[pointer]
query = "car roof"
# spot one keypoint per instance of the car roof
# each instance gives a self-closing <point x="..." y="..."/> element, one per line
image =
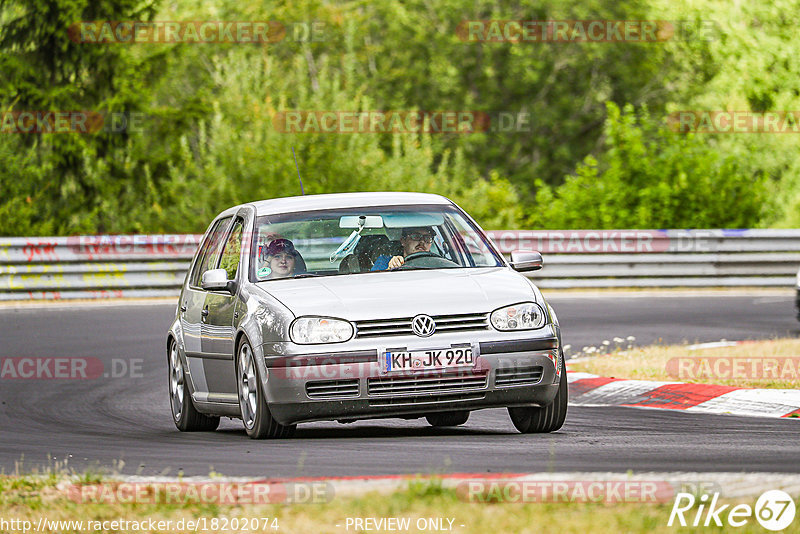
<point x="344" y="200"/>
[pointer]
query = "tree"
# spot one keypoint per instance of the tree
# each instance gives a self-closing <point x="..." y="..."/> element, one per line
<point x="45" y="71"/>
<point x="649" y="176"/>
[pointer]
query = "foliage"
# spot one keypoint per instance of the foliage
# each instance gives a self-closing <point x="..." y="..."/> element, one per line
<point x="209" y="141"/>
<point x="653" y="177"/>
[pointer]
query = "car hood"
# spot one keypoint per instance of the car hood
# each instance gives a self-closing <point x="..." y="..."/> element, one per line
<point x="358" y="297"/>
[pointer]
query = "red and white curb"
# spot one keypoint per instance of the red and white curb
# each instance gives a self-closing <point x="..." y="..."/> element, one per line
<point x="591" y="390"/>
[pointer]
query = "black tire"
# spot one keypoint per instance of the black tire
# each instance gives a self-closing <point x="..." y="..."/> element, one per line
<point x="550" y="418"/>
<point x="256" y="417"/>
<point x="448" y="418"/>
<point x="184" y="414"/>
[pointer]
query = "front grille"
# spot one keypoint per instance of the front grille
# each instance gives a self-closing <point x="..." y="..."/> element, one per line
<point x="426" y="399"/>
<point x="402" y="327"/>
<point x="330" y="389"/>
<point x="518" y="376"/>
<point x="414" y="385"/>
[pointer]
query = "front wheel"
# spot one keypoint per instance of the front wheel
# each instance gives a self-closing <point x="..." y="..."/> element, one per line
<point x="548" y="418"/>
<point x="257" y="419"/>
<point x="184" y="414"/>
<point x="448" y="418"/>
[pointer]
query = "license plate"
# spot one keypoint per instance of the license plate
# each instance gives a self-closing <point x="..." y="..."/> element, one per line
<point x="421" y="360"/>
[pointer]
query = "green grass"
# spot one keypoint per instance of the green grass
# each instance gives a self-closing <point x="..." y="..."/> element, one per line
<point x="31" y="497"/>
<point x="678" y="363"/>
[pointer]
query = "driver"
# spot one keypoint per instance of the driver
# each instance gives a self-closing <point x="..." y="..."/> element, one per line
<point x="414" y="240"/>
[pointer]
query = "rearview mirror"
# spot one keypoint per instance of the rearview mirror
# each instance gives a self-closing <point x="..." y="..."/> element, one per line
<point x="526" y="260"/>
<point x="360" y="221"/>
<point x="215" y="280"/>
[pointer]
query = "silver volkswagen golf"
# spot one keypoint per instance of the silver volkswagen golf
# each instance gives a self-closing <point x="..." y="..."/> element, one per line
<point x="355" y="306"/>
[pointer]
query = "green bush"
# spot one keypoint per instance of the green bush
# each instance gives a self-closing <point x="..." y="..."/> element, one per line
<point x="649" y="176"/>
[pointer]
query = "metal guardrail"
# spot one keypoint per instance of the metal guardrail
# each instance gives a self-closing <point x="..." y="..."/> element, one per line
<point x="659" y="258"/>
<point x="155" y="265"/>
<point x="91" y="267"/>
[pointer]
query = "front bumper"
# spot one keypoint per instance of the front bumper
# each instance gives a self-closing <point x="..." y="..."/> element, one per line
<point x="348" y="385"/>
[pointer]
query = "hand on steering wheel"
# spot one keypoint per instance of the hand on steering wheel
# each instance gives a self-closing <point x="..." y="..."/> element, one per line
<point x="396" y="262"/>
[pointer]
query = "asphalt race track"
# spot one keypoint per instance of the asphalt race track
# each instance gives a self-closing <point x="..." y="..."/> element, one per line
<point x="124" y="422"/>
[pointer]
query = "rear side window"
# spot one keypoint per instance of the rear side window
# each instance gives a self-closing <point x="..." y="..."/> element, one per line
<point x="212" y="247"/>
<point x="232" y="251"/>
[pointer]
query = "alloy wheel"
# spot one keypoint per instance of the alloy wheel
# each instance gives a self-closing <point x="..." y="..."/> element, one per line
<point x="248" y="392"/>
<point x="176" y="382"/>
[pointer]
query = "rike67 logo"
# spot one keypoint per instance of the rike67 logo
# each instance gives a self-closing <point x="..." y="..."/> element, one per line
<point x="774" y="510"/>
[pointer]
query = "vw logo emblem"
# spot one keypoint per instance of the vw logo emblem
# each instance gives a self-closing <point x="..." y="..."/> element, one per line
<point x="423" y="325"/>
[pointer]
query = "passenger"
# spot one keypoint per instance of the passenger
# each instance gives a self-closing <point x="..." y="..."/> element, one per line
<point x="280" y="258"/>
<point x="414" y="240"/>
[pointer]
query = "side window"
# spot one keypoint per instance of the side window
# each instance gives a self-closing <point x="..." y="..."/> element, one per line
<point x="232" y="251"/>
<point x="210" y="253"/>
<point x="476" y="252"/>
<point x="440" y="244"/>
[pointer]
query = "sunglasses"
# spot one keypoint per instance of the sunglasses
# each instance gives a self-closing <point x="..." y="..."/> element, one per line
<point x="428" y="238"/>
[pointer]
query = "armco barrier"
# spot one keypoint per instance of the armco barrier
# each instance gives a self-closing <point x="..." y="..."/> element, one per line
<point x="155" y="265"/>
<point x="55" y="268"/>
<point x="659" y="258"/>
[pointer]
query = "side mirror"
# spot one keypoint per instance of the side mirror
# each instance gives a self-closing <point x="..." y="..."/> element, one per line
<point x="216" y="280"/>
<point x="525" y="260"/>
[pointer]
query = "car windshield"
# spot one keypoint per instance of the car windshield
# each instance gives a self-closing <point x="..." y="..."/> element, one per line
<point x="367" y="239"/>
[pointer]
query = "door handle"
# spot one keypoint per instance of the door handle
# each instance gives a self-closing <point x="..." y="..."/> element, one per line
<point x="183" y="308"/>
<point x="204" y="313"/>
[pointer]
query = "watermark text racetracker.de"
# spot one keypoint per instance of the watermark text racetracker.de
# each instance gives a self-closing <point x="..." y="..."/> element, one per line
<point x="734" y="122"/>
<point x="201" y="492"/>
<point x="403" y="121"/>
<point x="585" y="31"/>
<point x="376" y="121"/>
<point x="71" y="121"/>
<point x="69" y="368"/>
<point x="91" y="246"/>
<point x="603" y="241"/>
<point x="735" y="368"/>
<point x="194" y="31"/>
<point x="610" y="491"/>
<point x="330" y="366"/>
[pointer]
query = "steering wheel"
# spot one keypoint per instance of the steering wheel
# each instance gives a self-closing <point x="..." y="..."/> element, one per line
<point x="423" y="254"/>
<point x="427" y="260"/>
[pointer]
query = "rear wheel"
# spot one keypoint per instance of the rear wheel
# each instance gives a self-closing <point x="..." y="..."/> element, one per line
<point x="448" y="418"/>
<point x="184" y="414"/>
<point x="548" y="418"/>
<point x="257" y="419"/>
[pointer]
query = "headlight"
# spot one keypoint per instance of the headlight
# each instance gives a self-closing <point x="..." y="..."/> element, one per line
<point x="523" y="316"/>
<point x="311" y="330"/>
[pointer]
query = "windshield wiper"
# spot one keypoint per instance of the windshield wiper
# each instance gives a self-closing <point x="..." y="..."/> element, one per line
<point x="306" y="275"/>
